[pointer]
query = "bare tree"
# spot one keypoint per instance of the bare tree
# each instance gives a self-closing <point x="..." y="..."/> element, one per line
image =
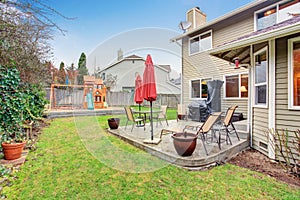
<point x="25" y="30"/>
<point x="111" y="81"/>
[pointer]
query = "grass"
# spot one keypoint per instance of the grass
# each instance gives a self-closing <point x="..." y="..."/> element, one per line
<point x="76" y="159"/>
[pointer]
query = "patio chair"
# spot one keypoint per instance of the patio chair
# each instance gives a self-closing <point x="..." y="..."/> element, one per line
<point x="130" y="117"/>
<point x="181" y="112"/>
<point x="227" y="122"/>
<point x="162" y="115"/>
<point x="206" y="127"/>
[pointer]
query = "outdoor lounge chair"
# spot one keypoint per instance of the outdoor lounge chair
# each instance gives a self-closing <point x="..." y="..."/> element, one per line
<point x="162" y="115"/>
<point x="130" y="117"/>
<point x="227" y="122"/>
<point x="206" y="127"/>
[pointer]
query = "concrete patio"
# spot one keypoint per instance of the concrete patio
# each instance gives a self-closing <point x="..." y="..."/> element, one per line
<point x="166" y="151"/>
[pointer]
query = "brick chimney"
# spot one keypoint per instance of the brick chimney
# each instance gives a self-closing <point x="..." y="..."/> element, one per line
<point x="196" y="17"/>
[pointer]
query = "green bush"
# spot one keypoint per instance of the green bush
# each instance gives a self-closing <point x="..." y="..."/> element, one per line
<point x="18" y="103"/>
<point x="11" y="104"/>
<point x="35" y="101"/>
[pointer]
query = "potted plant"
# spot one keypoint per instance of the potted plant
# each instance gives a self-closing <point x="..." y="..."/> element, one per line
<point x="12" y="104"/>
<point x="113" y="123"/>
<point x="184" y="143"/>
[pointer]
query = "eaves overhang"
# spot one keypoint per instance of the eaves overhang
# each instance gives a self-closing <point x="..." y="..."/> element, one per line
<point x="278" y="33"/>
<point x="229" y="51"/>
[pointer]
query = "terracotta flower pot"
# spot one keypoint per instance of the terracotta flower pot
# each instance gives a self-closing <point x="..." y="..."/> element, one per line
<point x="113" y="123"/>
<point x="184" y="143"/>
<point x="12" y="151"/>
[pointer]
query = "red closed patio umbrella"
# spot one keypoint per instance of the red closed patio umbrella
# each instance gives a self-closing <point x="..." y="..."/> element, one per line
<point x="149" y="86"/>
<point x="138" y="92"/>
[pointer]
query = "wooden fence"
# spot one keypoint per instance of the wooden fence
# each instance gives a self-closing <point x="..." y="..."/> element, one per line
<point x="124" y="98"/>
<point x="127" y="98"/>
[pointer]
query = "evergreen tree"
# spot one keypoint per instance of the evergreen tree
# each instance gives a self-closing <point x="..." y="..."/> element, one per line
<point x="61" y="73"/>
<point x="72" y="74"/>
<point x="82" y="69"/>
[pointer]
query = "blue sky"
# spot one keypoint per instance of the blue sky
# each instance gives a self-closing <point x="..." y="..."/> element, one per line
<point x="97" y="20"/>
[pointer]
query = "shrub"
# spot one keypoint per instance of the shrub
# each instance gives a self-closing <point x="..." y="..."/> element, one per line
<point x="35" y="101"/>
<point x="287" y="148"/>
<point x="11" y="105"/>
<point x="18" y="103"/>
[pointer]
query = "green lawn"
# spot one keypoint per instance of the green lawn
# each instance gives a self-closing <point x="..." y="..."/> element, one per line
<point x="76" y="159"/>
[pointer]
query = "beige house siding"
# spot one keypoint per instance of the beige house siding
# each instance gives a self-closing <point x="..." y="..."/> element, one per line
<point x="233" y="31"/>
<point x="260" y="129"/>
<point x="202" y="65"/>
<point x="285" y="118"/>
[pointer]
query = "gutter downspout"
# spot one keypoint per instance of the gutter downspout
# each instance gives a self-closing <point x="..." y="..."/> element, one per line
<point x="272" y="95"/>
<point x="250" y="98"/>
<point x="181" y="75"/>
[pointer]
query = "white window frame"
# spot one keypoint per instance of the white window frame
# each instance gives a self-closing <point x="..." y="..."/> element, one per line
<point x="260" y="84"/>
<point x="239" y="87"/>
<point x="190" y="88"/>
<point x="204" y="33"/>
<point x="290" y="74"/>
<point x="267" y="8"/>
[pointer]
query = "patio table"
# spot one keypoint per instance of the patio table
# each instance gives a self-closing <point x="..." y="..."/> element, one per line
<point x="145" y="112"/>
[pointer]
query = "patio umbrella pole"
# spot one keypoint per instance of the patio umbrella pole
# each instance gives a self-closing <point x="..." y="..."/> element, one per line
<point x="140" y="111"/>
<point x="151" y="120"/>
<point x="149" y="94"/>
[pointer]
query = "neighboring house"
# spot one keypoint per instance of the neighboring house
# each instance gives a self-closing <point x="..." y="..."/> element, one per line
<point x="177" y="81"/>
<point x="126" y="68"/>
<point x="263" y="37"/>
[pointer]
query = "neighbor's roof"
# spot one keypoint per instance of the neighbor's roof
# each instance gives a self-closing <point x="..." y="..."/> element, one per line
<point x="168" y="88"/>
<point x="133" y="57"/>
<point x="166" y="67"/>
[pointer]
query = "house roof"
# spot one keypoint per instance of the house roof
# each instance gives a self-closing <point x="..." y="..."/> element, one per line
<point x="135" y="57"/>
<point x="168" y="88"/>
<point x="166" y="67"/>
<point x="131" y="57"/>
<point x="222" y="18"/>
<point x="240" y="47"/>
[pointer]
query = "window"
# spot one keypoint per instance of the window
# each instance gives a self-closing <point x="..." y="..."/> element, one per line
<point x="260" y="78"/>
<point x="244" y="86"/>
<point x="294" y="73"/>
<point x="266" y="18"/>
<point x="232" y="86"/>
<point x="103" y="76"/>
<point x="195" y="89"/>
<point x="201" y="43"/>
<point x="236" y="86"/>
<point x="277" y="13"/>
<point x="199" y="88"/>
<point x="287" y="9"/>
<point x="204" y="87"/>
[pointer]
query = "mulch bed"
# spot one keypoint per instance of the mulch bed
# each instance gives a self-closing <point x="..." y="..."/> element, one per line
<point x="256" y="161"/>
